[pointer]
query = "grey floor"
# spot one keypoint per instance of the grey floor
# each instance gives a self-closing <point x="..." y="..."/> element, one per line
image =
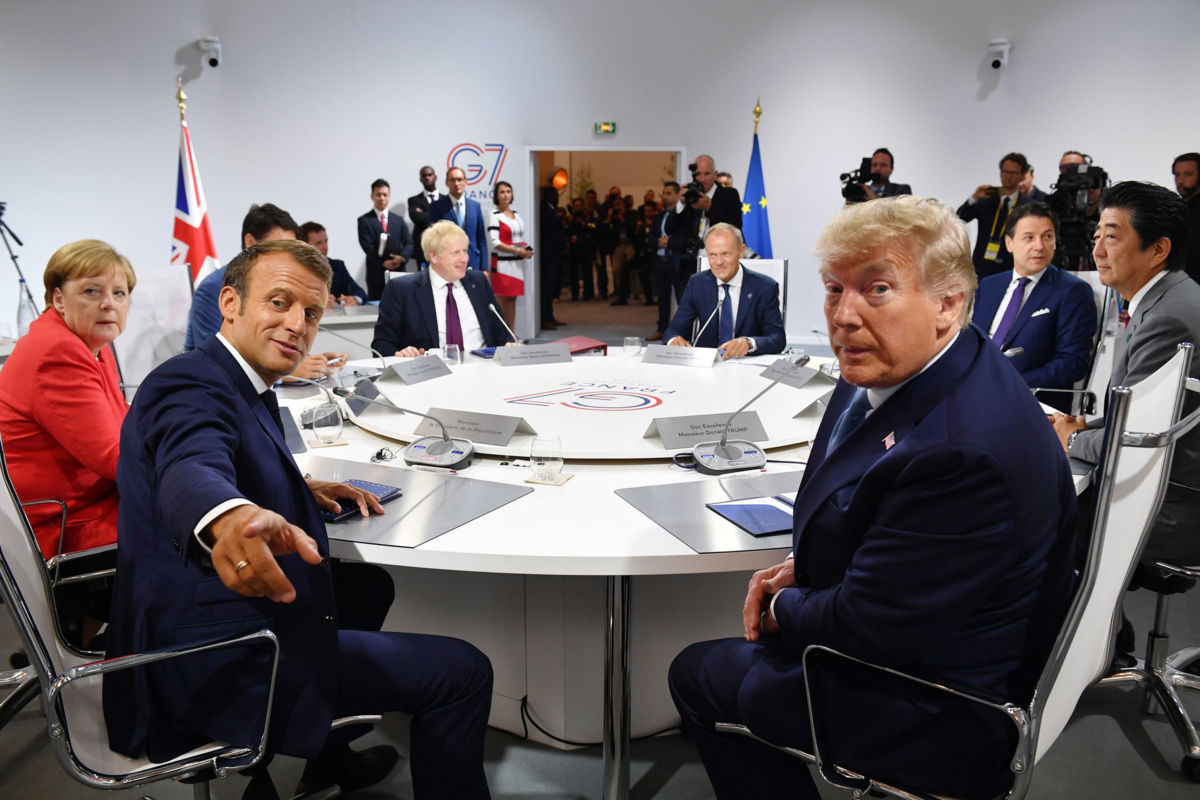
<point x="1109" y="750"/>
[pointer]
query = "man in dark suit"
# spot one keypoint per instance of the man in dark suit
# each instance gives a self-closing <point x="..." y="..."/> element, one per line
<point x="1047" y="314"/>
<point x="343" y="290"/>
<point x="550" y="248"/>
<point x="882" y="164"/>
<point x="220" y="534"/>
<point x="418" y="210"/>
<point x="419" y="312"/>
<point x="466" y="214"/>
<point x="737" y="308"/>
<point x="384" y="239"/>
<point x="664" y="242"/>
<point x="1141" y="252"/>
<point x="923" y="540"/>
<point x="992" y="206"/>
<point x="1186" y="169"/>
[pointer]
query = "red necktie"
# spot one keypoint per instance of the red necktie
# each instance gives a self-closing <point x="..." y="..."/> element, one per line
<point x="383" y="219"/>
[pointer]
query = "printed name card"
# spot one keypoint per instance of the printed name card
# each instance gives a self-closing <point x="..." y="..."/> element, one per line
<point x="479" y="428"/>
<point x="521" y="355"/>
<point x="798" y="377"/>
<point x="681" y="432"/>
<point x="680" y="356"/>
<point x="412" y="371"/>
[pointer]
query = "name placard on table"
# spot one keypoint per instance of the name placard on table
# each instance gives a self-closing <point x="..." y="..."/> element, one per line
<point x="478" y="427"/>
<point x="680" y="356"/>
<point x="412" y="371"/>
<point x="521" y="355"/>
<point x="797" y="377"/>
<point x="680" y="432"/>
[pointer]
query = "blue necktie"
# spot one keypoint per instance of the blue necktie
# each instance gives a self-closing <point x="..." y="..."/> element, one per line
<point x="458" y="213"/>
<point x="725" y="323"/>
<point x="1010" y="313"/>
<point x="850" y="419"/>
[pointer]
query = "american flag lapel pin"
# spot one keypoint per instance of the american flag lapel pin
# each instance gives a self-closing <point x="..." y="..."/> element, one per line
<point x="889" y="441"/>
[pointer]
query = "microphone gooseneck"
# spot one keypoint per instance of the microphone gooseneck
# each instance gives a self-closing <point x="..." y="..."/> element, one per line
<point x="500" y="317"/>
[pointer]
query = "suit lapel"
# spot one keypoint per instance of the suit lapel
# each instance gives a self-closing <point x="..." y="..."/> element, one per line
<point x="1121" y="355"/>
<point x="474" y="289"/>
<point x="888" y="426"/>
<point x="745" y="299"/>
<point x="1042" y="288"/>
<point x="237" y="378"/>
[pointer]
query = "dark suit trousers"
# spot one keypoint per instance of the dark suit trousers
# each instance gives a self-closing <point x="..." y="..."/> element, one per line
<point x="551" y="279"/>
<point x="706" y="682"/>
<point x="666" y="278"/>
<point x="444" y="683"/>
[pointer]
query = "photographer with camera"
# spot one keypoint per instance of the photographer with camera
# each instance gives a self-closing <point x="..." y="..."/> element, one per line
<point x="1076" y="200"/>
<point x="992" y="206"/>
<point x="873" y="179"/>
<point x="703" y="204"/>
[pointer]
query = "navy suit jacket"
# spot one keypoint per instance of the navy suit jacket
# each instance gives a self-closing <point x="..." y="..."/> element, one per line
<point x="937" y="542"/>
<point x="196" y="436"/>
<point x="474" y="225"/>
<point x="399" y="243"/>
<point x="1056" y="326"/>
<point x="343" y="284"/>
<point x="407" y="316"/>
<point x="757" y="316"/>
<point x="984" y="210"/>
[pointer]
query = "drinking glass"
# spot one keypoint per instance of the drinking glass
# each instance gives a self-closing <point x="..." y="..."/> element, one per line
<point x="633" y="345"/>
<point x="327" y="423"/>
<point x="454" y="355"/>
<point x="545" y="456"/>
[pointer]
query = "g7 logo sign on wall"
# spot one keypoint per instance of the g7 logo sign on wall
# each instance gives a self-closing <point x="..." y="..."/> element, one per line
<point x="481" y="165"/>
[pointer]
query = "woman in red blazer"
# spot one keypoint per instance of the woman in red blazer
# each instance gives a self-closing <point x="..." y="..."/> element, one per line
<point x="61" y="405"/>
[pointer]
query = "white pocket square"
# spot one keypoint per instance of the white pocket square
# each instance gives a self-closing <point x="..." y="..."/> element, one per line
<point x="1041" y="311"/>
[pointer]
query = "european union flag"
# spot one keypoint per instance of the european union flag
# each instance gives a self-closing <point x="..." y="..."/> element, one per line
<point x="756" y="226"/>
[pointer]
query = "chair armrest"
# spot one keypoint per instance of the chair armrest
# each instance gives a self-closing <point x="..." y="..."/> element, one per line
<point x="824" y="665"/>
<point x="83" y="565"/>
<point x="225" y="758"/>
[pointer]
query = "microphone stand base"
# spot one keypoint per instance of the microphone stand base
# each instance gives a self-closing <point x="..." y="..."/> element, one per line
<point x="431" y="451"/>
<point x="709" y="461"/>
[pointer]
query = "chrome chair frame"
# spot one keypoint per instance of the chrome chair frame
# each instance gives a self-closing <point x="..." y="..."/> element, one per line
<point x="1057" y="690"/>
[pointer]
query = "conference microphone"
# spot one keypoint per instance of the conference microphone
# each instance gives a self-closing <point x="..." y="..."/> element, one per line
<point x="345" y="338"/>
<point x="719" y="458"/>
<point x="500" y="317"/>
<point x="429" y="451"/>
<point x="696" y="338"/>
<point x="821" y="335"/>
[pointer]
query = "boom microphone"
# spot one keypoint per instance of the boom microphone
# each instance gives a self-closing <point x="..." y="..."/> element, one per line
<point x="696" y="338"/>
<point x="719" y="458"/>
<point x="516" y="338"/>
<point x="345" y="338"/>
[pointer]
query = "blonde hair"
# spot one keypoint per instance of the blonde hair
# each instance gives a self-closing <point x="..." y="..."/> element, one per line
<point x="435" y="237"/>
<point x="86" y="258"/>
<point x="930" y="231"/>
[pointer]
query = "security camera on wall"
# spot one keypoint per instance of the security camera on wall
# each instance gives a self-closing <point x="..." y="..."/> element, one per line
<point x="210" y="46"/>
<point x="998" y="50"/>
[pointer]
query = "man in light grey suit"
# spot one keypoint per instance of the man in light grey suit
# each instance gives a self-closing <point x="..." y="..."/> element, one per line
<point x="1141" y="251"/>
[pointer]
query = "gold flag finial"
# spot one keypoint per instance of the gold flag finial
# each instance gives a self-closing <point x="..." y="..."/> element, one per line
<point x="757" y="114"/>
<point x="182" y="98"/>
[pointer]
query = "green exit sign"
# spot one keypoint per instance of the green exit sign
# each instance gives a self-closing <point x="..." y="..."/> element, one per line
<point x="606" y="127"/>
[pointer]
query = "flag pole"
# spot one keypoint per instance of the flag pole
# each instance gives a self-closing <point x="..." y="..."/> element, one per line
<point x="757" y="109"/>
<point x="182" y="98"/>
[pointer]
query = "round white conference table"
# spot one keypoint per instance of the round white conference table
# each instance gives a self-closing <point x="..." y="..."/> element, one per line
<point x="602" y="407"/>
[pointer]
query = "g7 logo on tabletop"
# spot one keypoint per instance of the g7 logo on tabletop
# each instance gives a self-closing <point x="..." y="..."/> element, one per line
<point x="590" y="399"/>
<point x="465" y="156"/>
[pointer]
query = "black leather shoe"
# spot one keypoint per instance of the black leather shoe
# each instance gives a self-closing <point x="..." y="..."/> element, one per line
<point x="654" y="337"/>
<point x="364" y="768"/>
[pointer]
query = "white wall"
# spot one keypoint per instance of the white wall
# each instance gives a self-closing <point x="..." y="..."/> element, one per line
<point x="316" y="99"/>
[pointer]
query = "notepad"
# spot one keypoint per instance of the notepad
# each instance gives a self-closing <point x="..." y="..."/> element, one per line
<point x="757" y="516"/>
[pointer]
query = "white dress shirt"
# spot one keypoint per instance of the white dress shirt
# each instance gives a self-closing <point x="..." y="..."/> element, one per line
<point x="1012" y="287"/>
<point x="471" y="331"/>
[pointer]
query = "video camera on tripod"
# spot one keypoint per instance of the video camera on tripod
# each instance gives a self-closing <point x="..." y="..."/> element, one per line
<point x="1077" y="185"/>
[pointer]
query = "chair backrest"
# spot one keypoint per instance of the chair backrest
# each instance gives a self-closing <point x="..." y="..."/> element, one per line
<point x="1129" y="485"/>
<point x="774" y="268"/>
<point x="1105" y="346"/>
<point x="25" y="587"/>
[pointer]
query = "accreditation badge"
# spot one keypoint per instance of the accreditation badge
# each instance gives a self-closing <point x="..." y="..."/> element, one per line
<point x="992" y="253"/>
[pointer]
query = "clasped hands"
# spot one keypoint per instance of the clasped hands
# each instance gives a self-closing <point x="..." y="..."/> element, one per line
<point x="734" y="348"/>
<point x="313" y="367"/>
<point x="254" y="536"/>
<point x="756" y="613"/>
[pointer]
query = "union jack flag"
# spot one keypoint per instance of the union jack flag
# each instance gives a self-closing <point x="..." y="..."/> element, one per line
<point x="193" y="239"/>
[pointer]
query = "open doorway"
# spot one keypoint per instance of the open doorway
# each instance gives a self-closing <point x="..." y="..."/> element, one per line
<point x="605" y="287"/>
